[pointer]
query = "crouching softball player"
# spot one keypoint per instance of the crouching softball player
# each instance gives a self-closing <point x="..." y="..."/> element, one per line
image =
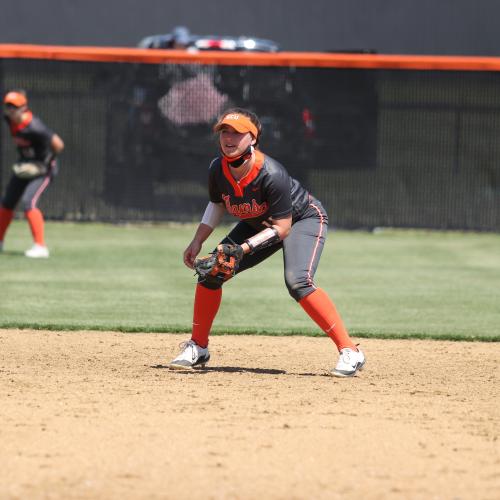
<point x="275" y="212"/>
<point x="37" y="147"/>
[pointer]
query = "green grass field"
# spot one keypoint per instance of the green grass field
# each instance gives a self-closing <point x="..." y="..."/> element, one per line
<point x="389" y="284"/>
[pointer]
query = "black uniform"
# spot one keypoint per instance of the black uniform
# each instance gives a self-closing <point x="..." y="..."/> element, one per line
<point x="33" y="140"/>
<point x="268" y="192"/>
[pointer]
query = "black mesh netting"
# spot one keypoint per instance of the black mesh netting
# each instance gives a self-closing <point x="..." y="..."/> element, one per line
<point x="378" y="147"/>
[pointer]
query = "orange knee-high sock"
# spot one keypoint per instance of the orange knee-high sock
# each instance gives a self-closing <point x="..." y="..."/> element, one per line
<point x="5" y="219"/>
<point x="323" y="312"/>
<point x="35" y="220"/>
<point x="206" y="305"/>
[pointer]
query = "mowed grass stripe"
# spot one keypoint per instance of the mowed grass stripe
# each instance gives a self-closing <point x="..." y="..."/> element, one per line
<point x="389" y="284"/>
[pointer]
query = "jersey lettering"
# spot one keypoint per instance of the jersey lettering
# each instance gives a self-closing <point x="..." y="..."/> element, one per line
<point x="245" y="210"/>
<point x="28" y="152"/>
<point x="21" y="142"/>
<point x="266" y="192"/>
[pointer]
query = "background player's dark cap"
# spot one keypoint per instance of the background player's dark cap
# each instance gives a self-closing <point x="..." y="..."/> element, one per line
<point x="15" y="99"/>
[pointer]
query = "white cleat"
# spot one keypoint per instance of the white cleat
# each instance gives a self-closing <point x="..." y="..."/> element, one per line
<point x="350" y="361"/>
<point x="37" y="252"/>
<point x="191" y="355"/>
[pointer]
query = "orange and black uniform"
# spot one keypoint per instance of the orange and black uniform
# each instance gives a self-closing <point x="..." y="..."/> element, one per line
<point x="267" y="192"/>
<point x="34" y="144"/>
<point x="264" y="195"/>
<point x="33" y="140"/>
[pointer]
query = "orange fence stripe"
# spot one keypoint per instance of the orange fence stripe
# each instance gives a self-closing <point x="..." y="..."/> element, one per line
<point x="296" y="59"/>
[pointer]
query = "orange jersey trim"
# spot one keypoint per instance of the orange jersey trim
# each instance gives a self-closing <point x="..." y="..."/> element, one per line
<point x="239" y="186"/>
<point x="15" y="128"/>
<point x="295" y="59"/>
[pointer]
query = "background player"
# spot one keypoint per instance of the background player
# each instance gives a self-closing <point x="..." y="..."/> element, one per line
<point x="37" y="144"/>
<point x="275" y="213"/>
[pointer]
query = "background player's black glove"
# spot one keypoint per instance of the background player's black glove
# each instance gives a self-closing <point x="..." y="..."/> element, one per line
<point x="220" y="265"/>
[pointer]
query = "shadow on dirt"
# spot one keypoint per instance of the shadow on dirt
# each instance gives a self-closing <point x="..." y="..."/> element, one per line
<point x="238" y="369"/>
<point x="225" y="369"/>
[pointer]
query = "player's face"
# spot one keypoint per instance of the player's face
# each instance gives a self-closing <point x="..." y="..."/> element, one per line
<point x="14" y="114"/>
<point x="234" y="143"/>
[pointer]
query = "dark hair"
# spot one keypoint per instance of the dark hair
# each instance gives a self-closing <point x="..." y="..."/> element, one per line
<point x="250" y="115"/>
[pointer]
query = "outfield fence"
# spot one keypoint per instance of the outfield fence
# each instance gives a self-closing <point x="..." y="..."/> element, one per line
<point x="403" y="141"/>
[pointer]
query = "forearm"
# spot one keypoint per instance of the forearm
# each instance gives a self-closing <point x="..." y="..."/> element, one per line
<point x="271" y="235"/>
<point x="56" y="144"/>
<point x="56" y="147"/>
<point x="202" y="233"/>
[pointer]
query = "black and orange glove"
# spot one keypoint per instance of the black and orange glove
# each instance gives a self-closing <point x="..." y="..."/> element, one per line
<point x="220" y="265"/>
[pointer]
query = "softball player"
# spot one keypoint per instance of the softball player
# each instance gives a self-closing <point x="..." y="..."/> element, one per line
<point x="38" y="146"/>
<point x="275" y="213"/>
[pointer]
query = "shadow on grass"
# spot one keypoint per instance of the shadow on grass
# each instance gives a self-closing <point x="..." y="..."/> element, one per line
<point x="12" y="253"/>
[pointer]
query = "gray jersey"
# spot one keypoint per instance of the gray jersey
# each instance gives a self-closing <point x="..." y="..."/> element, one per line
<point x="266" y="192"/>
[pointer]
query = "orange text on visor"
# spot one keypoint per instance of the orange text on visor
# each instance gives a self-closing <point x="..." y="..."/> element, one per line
<point x="240" y="123"/>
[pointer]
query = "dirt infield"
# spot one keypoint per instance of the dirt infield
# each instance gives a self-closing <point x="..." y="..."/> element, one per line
<point x="97" y="415"/>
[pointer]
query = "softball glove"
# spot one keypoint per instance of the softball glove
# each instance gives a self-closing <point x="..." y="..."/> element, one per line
<point x="220" y="265"/>
<point x="29" y="170"/>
